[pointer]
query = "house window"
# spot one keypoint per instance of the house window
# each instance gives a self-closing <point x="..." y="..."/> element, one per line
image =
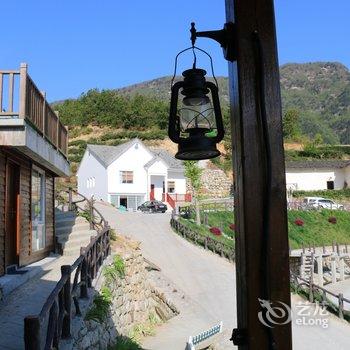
<point x="171" y="186"/>
<point x="127" y="177"/>
<point x="38" y="209"/>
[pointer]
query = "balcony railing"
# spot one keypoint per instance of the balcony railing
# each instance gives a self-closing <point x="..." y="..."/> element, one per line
<point x="21" y="99"/>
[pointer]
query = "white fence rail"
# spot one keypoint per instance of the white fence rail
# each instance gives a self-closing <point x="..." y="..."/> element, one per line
<point x="195" y="340"/>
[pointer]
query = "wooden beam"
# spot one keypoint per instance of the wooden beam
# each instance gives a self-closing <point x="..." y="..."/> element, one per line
<point x="262" y="253"/>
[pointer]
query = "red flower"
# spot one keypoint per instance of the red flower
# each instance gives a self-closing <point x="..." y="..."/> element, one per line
<point x="232" y="227"/>
<point x="299" y="222"/>
<point x="215" y="231"/>
<point x="332" y="219"/>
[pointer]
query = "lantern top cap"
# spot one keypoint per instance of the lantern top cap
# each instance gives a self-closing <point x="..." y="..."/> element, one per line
<point x="194" y="71"/>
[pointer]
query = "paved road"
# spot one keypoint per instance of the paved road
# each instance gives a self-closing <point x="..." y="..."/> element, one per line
<point x="208" y="282"/>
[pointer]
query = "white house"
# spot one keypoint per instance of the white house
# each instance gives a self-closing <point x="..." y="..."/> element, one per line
<point x="318" y="174"/>
<point x="130" y="174"/>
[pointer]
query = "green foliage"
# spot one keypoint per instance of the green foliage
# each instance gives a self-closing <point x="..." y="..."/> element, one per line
<point x="124" y="343"/>
<point x="332" y="194"/>
<point x="291" y="125"/>
<point x="100" y="308"/>
<point x="193" y="174"/>
<point x="316" y="227"/>
<point x="113" y="235"/>
<point x="115" y="270"/>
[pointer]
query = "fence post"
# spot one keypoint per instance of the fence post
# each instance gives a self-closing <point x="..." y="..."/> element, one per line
<point x="23" y="90"/>
<point x="333" y="248"/>
<point x="337" y="244"/>
<point x="66" y="326"/>
<point x="70" y="199"/>
<point x="303" y="248"/>
<point x="91" y="213"/>
<point x="320" y="270"/>
<point x="324" y="249"/>
<point x="341" y="306"/>
<point x="341" y="268"/>
<point x="334" y="270"/>
<point x="346" y="248"/>
<point x="83" y="276"/>
<point x="32" y="333"/>
<point x="206" y="242"/>
<point x="302" y="263"/>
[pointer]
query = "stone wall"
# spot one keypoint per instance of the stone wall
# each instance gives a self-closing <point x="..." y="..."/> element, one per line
<point x="134" y="299"/>
<point x="215" y="183"/>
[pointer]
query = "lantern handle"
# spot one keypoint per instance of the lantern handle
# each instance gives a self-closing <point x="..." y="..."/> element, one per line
<point x="193" y="48"/>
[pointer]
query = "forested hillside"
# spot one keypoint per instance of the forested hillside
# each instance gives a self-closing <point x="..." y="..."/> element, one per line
<point x="319" y="93"/>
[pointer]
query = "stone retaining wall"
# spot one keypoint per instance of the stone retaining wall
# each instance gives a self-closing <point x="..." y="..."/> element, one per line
<point x="215" y="183"/>
<point x="134" y="299"/>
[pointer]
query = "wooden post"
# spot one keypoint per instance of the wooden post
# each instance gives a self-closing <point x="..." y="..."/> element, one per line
<point x="66" y="326"/>
<point x="32" y="333"/>
<point x="311" y="283"/>
<point x="206" y="242"/>
<point x="262" y="263"/>
<point x="43" y="124"/>
<point x="334" y="270"/>
<point x="333" y="248"/>
<point x="324" y="249"/>
<point x="341" y="268"/>
<point x="320" y="270"/>
<point x="23" y="90"/>
<point x="346" y="248"/>
<point x="341" y="306"/>
<point x="83" y="276"/>
<point x="338" y="251"/>
<point x="57" y="129"/>
<point x="91" y="213"/>
<point x="70" y="199"/>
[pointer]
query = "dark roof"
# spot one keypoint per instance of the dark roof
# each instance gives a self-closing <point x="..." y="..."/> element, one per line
<point x="170" y="160"/>
<point x="317" y="164"/>
<point x="108" y="154"/>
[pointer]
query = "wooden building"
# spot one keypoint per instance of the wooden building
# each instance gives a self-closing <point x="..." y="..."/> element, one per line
<point x="33" y="151"/>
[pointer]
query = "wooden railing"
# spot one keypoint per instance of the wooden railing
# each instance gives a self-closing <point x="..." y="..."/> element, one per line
<point x="53" y="323"/>
<point x="206" y="242"/>
<point x="29" y="103"/>
<point x="315" y="291"/>
<point x="173" y="198"/>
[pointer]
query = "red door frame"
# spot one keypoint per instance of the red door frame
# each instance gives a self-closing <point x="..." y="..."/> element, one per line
<point x="151" y="194"/>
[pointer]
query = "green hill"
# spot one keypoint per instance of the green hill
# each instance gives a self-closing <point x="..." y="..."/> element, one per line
<point x="319" y="91"/>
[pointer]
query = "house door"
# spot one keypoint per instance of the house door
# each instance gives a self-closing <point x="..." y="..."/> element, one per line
<point x="151" y="195"/>
<point x="330" y="185"/>
<point x="12" y="214"/>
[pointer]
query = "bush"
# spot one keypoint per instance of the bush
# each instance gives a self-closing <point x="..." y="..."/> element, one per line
<point x="124" y="343"/>
<point x="115" y="270"/>
<point x="332" y="220"/>
<point x="232" y="227"/>
<point x="215" y="231"/>
<point x="299" y="222"/>
<point x="100" y="307"/>
<point x="332" y="194"/>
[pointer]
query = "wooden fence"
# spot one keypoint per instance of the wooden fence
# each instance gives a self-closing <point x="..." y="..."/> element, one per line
<point x="29" y="103"/>
<point x="53" y="323"/>
<point x="315" y="291"/>
<point x="209" y="243"/>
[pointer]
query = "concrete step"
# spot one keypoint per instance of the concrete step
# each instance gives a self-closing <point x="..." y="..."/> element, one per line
<point x="68" y="228"/>
<point x="62" y="220"/>
<point x="64" y="237"/>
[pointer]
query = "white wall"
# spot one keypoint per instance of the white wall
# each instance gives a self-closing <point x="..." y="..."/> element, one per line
<point x="347" y="175"/>
<point x="315" y="179"/>
<point x="92" y="171"/>
<point x="134" y="160"/>
<point x="180" y="181"/>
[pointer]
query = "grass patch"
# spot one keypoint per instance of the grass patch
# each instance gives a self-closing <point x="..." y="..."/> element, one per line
<point x="100" y="308"/>
<point x="316" y="229"/>
<point x="146" y="329"/>
<point x="115" y="270"/>
<point x="332" y="194"/>
<point x="124" y="343"/>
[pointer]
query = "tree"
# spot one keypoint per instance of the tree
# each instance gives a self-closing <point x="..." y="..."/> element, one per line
<point x="291" y="125"/>
<point x="193" y="173"/>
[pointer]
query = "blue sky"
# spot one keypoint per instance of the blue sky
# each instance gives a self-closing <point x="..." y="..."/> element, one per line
<point x="74" y="45"/>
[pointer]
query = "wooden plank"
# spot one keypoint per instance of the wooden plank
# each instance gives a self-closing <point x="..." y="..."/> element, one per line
<point x="1" y="88"/>
<point x="262" y="263"/>
<point x="10" y="93"/>
<point x="23" y="91"/>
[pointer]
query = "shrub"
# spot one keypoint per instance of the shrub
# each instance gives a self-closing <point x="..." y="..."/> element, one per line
<point x="215" y="231"/>
<point x="332" y="220"/>
<point x="113" y="235"/>
<point x="232" y="227"/>
<point x="124" y="343"/>
<point x="115" y="270"/>
<point x="100" y="307"/>
<point x="299" y="222"/>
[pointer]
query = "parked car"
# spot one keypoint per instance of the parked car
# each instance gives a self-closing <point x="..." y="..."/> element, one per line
<point x="153" y="207"/>
<point x="320" y="202"/>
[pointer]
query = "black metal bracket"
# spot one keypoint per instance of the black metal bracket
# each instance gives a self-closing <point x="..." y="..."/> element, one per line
<point x="225" y="37"/>
<point x="239" y="336"/>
